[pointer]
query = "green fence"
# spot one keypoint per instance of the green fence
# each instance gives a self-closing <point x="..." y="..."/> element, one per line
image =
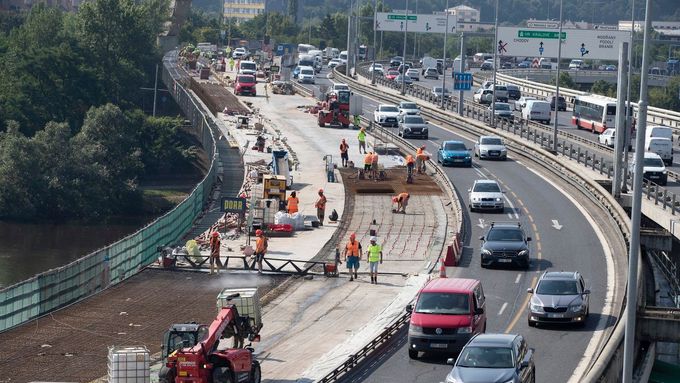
<point x="108" y="266"/>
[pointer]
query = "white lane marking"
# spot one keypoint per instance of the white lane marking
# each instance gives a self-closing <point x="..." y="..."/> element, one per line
<point x="505" y="304"/>
<point x="481" y="223"/>
<point x="589" y="353"/>
<point x="519" y="276"/>
<point x="479" y="171"/>
<point x="514" y="211"/>
<point x="556" y="224"/>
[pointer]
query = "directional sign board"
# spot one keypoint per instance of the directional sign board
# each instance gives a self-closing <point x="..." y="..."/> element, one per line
<point x="462" y="81"/>
<point x="576" y="43"/>
<point x="396" y="22"/>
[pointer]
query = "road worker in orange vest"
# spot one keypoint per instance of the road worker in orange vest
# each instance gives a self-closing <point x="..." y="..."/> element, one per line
<point x="410" y="164"/>
<point x="260" y="248"/>
<point x="353" y="256"/>
<point x="421" y="158"/>
<point x="368" y="160"/>
<point x="321" y="207"/>
<point x="402" y="202"/>
<point x="374" y="166"/>
<point x="293" y="203"/>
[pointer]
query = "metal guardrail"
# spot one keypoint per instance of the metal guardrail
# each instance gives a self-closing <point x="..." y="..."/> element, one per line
<point x="670" y="269"/>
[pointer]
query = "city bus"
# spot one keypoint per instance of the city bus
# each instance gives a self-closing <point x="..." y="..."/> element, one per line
<point x="303" y="49"/>
<point x="595" y="113"/>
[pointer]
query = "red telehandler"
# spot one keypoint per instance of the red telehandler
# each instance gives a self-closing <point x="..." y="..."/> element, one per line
<point x="335" y="110"/>
<point x="192" y="355"/>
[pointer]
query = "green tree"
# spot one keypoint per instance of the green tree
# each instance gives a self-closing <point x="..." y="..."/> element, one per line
<point x="604" y="88"/>
<point x="18" y="174"/>
<point x="566" y="81"/>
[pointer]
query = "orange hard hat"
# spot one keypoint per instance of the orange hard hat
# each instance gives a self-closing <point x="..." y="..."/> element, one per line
<point x="259" y="232"/>
<point x="215" y="234"/>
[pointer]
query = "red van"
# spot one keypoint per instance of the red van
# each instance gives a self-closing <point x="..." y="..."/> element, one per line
<point x="447" y="313"/>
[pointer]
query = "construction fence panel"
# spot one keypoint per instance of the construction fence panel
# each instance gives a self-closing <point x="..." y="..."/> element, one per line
<point x="113" y="264"/>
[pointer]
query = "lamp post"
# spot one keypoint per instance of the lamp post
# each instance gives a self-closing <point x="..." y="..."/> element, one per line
<point x="629" y="114"/>
<point x="446" y="34"/>
<point x="375" y="20"/>
<point x="349" y="33"/>
<point x="403" y="63"/>
<point x="557" y="82"/>
<point x="495" y="65"/>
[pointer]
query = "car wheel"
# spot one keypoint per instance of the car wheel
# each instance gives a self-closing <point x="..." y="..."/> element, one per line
<point x="412" y="354"/>
<point x="531" y="323"/>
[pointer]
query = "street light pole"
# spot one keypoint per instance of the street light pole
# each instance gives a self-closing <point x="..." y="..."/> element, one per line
<point x="375" y="20"/>
<point x="495" y="65"/>
<point x="349" y="33"/>
<point x="636" y="213"/>
<point x="403" y="63"/>
<point x="446" y="34"/>
<point x="629" y="114"/>
<point x="461" y="101"/>
<point x="557" y="82"/>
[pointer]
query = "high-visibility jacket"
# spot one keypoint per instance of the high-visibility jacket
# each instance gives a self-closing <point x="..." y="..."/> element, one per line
<point x="368" y="159"/>
<point x="215" y="246"/>
<point x="410" y="159"/>
<point x="343" y="147"/>
<point x="374" y="253"/>
<point x="293" y="205"/>
<point x="361" y="136"/>
<point x="321" y="203"/>
<point x="261" y="244"/>
<point x="403" y="197"/>
<point x="353" y="249"/>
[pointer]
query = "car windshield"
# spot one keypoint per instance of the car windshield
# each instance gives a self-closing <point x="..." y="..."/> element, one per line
<point x="554" y="287"/>
<point x="653" y="162"/>
<point x="492" y="141"/>
<point x="486" y="357"/>
<point x="393" y="72"/>
<point x="249" y="66"/>
<point x="500" y="106"/>
<point x="486" y="187"/>
<point x="307" y="72"/>
<point x="454" y="146"/>
<point x="409" y="105"/>
<point x="340" y="87"/>
<point x="413" y="120"/>
<point x="443" y="303"/>
<point x="504" y="234"/>
<point x="389" y="109"/>
<point x="246" y="79"/>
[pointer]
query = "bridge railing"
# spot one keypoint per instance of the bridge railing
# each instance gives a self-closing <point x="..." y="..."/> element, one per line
<point x="114" y="263"/>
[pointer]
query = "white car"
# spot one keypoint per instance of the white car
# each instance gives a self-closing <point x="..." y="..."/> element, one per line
<point x="306" y="75"/>
<point x="376" y="67"/>
<point x="607" y="137"/>
<point x="413" y="74"/>
<point x="486" y="195"/>
<point x="490" y="147"/>
<point x="522" y="102"/>
<point x="386" y="115"/>
<point x="653" y="169"/>
<point x="333" y="63"/>
<point x="339" y="86"/>
<point x="239" y="53"/>
<point x="408" y="108"/>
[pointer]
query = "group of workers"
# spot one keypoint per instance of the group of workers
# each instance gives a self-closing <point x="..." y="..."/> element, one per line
<point x="353" y="253"/>
<point x="261" y="244"/>
<point x="293" y="203"/>
<point x="371" y="165"/>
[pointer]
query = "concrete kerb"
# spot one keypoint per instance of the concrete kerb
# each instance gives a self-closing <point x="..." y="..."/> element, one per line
<point x="589" y="188"/>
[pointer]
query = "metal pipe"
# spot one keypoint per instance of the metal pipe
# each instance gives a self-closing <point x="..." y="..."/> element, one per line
<point x="403" y="62"/>
<point x="633" y="251"/>
<point x="557" y="82"/>
<point x="446" y="34"/>
<point x="620" y="120"/>
<point x="461" y="101"/>
<point x="495" y="65"/>
<point x="629" y="115"/>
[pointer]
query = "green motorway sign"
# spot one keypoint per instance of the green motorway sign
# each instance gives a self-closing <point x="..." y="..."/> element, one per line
<point x="401" y="17"/>
<point x="533" y="34"/>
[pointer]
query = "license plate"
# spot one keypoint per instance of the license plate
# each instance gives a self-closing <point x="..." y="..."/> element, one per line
<point x="457" y="160"/>
<point x="555" y="315"/>
<point x="505" y="260"/>
<point x="438" y="345"/>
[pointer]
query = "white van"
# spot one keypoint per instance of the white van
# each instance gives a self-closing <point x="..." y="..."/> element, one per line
<point x="247" y="67"/>
<point x="576" y="64"/>
<point x="537" y="110"/>
<point x="343" y="57"/>
<point x="658" y="131"/>
<point x="661" y="146"/>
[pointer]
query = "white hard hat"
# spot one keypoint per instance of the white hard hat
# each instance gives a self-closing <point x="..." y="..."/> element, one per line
<point x="374" y="239"/>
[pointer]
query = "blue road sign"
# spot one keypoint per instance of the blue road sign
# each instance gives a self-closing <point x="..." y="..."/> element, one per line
<point x="462" y="81"/>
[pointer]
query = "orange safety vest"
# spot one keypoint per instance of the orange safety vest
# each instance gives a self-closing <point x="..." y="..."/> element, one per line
<point x="261" y="244"/>
<point x="215" y="246"/>
<point x="321" y="203"/>
<point x="368" y="159"/>
<point x="403" y="197"/>
<point x="343" y="147"/>
<point x="410" y="159"/>
<point x="293" y="204"/>
<point x="353" y="249"/>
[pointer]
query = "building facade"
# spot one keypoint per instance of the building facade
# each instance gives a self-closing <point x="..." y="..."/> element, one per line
<point x="468" y="19"/>
<point x="242" y="10"/>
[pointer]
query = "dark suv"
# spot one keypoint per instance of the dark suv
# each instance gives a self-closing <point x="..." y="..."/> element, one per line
<point x="494" y="358"/>
<point x="561" y="103"/>
<point x="505" y="243"/>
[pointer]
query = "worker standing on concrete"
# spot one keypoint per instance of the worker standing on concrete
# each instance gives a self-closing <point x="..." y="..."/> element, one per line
<point x="368" y="161"/>
<point x="260" y="249"/>
<point x="402" y="202"/>
<point x="352" y="256"/>
<point x="215" y="244"/>
<point x="421" y="158"/>
<point x="320" y="207"/>
<point x="344" y="156"/>
<point x="293" y="203"/>
<point x="410" y="164"/>
<point x="362" y="139"/>
<point x="231" y="64"/>
<point x="375" y="256"/>
<point x="374" y="166"/>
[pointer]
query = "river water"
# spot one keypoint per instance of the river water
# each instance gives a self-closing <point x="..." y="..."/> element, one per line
<point x="27" y="249"/>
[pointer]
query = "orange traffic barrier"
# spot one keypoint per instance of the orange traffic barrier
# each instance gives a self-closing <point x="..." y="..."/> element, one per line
<point x="442" y="270"/>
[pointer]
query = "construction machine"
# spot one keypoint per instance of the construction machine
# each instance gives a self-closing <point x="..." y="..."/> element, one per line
<point x="335" y="110"/>
<point x="192" y="354"/>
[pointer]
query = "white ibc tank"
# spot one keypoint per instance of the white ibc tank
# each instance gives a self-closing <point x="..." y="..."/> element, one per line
<point x="129" y="365"/>
<point x="247" y="303"/>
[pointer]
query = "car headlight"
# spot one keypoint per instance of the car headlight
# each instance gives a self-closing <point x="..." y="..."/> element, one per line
<point x="467" y="156"/>
<point x="425" y="130"/>
<point x="465" y="330"/>
<point x="412" y="329"/>
<point x="484" y="150"/>
<point x="498" y="199"/>
<point x="523" y="253"/>
<point x="504" y="150"/>
<point x="536" y="307"/>
<point x="486" y="252"/>
<point x="451" y="379"/>
<point x="576" y="308"/>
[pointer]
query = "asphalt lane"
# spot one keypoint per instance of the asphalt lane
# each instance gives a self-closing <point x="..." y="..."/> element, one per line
<point x="574" y="246"/>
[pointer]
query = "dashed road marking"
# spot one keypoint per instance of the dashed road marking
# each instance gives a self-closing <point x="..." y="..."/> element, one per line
<point x="519" y="276"/>
<point x="505" y="305"/>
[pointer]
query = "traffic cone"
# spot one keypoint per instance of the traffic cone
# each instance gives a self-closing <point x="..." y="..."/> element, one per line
<point x="442" y="270"/>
